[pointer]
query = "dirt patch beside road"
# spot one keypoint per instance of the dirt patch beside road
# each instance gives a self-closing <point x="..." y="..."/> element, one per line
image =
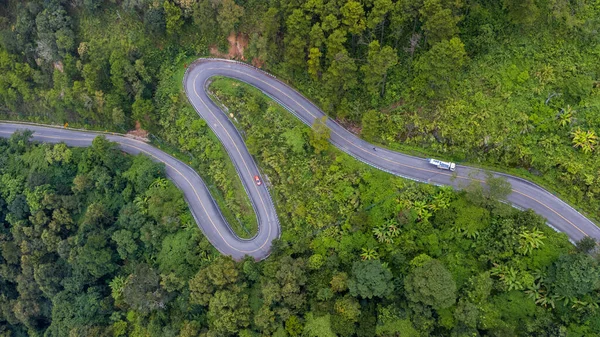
<point x="237" y="44"/>
<point x="138" y="133"/>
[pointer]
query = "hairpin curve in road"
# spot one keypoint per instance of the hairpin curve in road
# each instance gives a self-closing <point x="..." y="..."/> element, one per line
<point x="524" y="195"/>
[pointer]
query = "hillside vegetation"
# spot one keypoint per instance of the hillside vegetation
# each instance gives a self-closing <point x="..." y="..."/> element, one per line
<point x="509" y="84"/>
<point x="95" y="243"/>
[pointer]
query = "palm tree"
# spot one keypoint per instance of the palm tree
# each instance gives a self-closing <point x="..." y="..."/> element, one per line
<point x="380" y="233"/>
<point x="141" y="203"/>
<point x="419" y="207"/>
<point x="508" y="276"/>
<point x="422" y="210"/>
<point x="440" y="201"/>
<point x="512" y="279"/>
<point x="403" y="204"/>
<point x="535" y="291"/>
<point x="530" y="241"/>
<point x="159" y="183"/>
<point x="368" y="254"/>
<point x="392" y="227"/>
<point x="567" y="299"/>
<point x="565" y="116"/>
<point x="540" y="296"/>
<point x="587" y="306"/>
<point x="387" y="231"/>
<point x="586" y="140"/>
<point x="205" y="257"/>
<point x="425" y="215"/>
<point x="116" y="286"/>
<point x="188" y="225"/>
<point x="393" y="230"/>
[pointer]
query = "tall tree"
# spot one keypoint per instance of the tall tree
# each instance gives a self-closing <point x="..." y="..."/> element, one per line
<point x="314" y="63"/>
<point x="340" y="76"/>
<point x="522" y="12"/>
<point x="205" y="18"/>
<point x="297" y="25"/>
<point x="439" y="22"/>
<point x="353" y="17"/>
<point x="142" y="290"/>
<point x="378" y="16"/>
<point x="55" y="36"/>
<point x="318" y="326"/>
<point x="438" y="67"/>
<point x="154" y="20"/>
<point x="228" y="312"/>
<point x="335" y="43"/>
<point x="317" y="37"/>
<point x="174" y="21"/>
<point x="379" y="61"/>
<point x="271" y="29"/>
<point x="228" y="16"/>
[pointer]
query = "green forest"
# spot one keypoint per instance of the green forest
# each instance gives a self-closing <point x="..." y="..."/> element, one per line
<point x="94" y="242"/>
<point x="510" y="85"/>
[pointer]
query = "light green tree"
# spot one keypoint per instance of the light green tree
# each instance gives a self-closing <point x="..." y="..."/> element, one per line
<point x="314" y="63"/>
<point x="585" y="140"/>
<point x="59" y="153"/>
<point x="319" y="137"/>
<point x="348" y="307"/>
<point x="353" y="17"/>
<point x="318" y="326"/>
<point x="174" y="21"/>
<point x="228" y="15"/>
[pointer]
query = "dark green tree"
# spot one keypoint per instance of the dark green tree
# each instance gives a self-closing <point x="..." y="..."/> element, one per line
<point x="586" y="245"/>
<point x="437" y="68"/>
<point x="370" y="279"/>
<point x="439" y="23"/>
<point x="295" y="40"/>
<point x="573" y="275"/>
<point x="154" y="20"/>
<point x="142" y="290"/>
<point x="379" y="61"/>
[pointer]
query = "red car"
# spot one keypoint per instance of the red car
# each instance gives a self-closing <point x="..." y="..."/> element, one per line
<point x="257" y="180"/>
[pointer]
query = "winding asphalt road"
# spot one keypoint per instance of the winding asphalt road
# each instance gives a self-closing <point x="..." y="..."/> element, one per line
<point x="208" y="217"/>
